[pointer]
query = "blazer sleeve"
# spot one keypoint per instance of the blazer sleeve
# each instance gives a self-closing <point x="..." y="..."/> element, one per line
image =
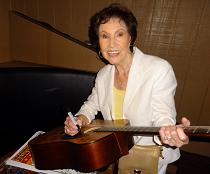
<point x="91" y="106"/>
<point x="163" y="103"/>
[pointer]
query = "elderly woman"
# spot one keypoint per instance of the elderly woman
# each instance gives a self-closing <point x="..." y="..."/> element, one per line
<point x="133" y="85"/>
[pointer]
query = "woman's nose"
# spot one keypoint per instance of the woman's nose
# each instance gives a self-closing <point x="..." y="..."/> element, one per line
<point x="112" y="42"/>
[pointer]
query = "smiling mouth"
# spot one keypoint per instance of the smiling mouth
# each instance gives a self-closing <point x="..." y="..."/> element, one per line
<point x="113" y="53"/>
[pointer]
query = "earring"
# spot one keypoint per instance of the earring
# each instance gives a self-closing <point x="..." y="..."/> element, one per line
<point x="132" y="45"/>
<point x="100" y="55"/>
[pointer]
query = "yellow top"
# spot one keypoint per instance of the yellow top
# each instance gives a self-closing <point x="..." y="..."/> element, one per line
<point x="118" y="102"/>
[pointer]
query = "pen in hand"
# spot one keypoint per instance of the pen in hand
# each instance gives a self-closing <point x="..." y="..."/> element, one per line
<point x="73" y="120"/>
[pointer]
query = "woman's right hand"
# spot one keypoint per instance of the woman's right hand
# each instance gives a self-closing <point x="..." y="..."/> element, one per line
<point x="70" y="128"/>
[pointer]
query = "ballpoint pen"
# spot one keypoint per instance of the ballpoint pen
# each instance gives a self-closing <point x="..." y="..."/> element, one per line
<point x="73" y="120"/>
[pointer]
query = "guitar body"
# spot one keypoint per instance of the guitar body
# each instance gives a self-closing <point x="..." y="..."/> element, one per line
<point x="87" y="151"/>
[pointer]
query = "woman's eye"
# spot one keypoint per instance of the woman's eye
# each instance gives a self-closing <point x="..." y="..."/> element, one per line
<point x="120" y="34"/>
<point x="104" y="36"/>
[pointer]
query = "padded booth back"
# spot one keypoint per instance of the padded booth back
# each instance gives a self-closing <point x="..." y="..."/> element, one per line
<point x="36" y="98"/>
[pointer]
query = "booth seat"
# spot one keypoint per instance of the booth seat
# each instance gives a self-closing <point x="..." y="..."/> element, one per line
<point x="37" y="98"/>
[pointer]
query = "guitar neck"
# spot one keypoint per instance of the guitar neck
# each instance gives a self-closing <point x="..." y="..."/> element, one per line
<point x="136" y="130"/>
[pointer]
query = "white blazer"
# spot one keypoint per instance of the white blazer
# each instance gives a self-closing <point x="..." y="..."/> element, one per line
<point x="149" y="97"/>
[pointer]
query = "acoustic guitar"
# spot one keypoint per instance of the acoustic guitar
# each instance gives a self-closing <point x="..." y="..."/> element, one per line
<point x="96" y="146"/>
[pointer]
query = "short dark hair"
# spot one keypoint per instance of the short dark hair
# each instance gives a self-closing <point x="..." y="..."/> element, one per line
<point x="103" y="16"/>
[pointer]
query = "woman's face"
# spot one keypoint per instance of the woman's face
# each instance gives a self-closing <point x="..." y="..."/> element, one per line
<point x="114" y="41"/>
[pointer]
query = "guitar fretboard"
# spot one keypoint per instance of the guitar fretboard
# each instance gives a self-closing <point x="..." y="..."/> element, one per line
<point x="198" y="129"/>
<point x="152" y="130"/>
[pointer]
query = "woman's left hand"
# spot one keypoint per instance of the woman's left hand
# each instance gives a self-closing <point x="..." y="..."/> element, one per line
<point x="174" y="135"/>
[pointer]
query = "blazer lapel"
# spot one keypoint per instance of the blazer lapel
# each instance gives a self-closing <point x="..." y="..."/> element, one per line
<point x="135" y="78"/>
<point x="108" y="84"/>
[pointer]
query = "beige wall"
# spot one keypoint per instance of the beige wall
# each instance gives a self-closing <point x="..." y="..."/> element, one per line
<point x="177" y="30"/>
<point x="4" y="31"/>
